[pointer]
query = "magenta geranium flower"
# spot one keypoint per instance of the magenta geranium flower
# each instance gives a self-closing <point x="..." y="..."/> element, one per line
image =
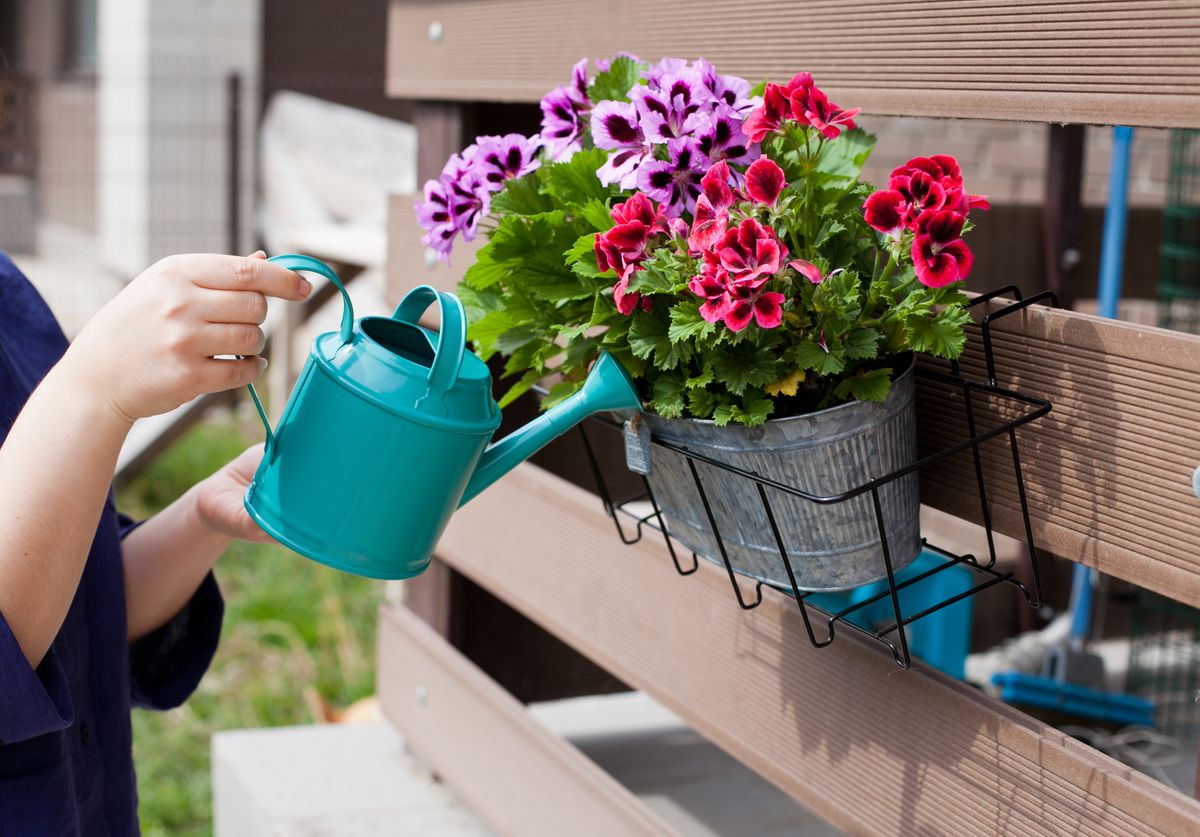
<point x="751" y="253"/>
<point x="920" y="192"/>
<point x="746" y="303"/>
<point x="454" y="204"/>
<point x="730" y="91"/>
<point x="810" y="105"/>
<point x="764" y="181"/>
<point x="944" y="170"/>
<point x="564" y="115"/>
<point x="767" y="117"/>
<point x="712" y="209"/>
<point x="504" y="158"/>
<point x="616" y="128"/>
<point x="640" y="208"/>
<point x="885" y="211"/>
<point x="939" y="254"/>
<point x="808" y="270"/>
<point x="710" y="286"/>
<point x="675" y="183"/>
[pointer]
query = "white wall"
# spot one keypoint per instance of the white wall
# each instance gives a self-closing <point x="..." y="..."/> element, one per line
<point x="163" y="125"/>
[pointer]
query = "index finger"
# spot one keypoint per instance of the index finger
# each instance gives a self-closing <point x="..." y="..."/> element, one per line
<point x="236" y="273"/>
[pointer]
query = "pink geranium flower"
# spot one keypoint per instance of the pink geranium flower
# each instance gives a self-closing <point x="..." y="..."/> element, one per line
<point x="808" y="270"/>
<point x="750" y="253"/>
<point x="939" y="254"/>
<point x="767" y="118"/>
<point x="945" y="171"/>
<point x="885" y="211"/>
<point x="811" y="105"/>
<point x="712" y="209"/>
<point x="764" y="181"/>
<point x="746" y="303"/>
<point x="710" y="286"/>
<point x="920" y="192"/>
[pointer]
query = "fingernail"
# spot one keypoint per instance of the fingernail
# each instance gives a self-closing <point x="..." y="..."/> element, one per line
<point x="262" y="364"/>
<point x="305" y="288"/>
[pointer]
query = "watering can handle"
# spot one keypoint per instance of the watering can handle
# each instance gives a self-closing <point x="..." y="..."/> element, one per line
<point x="294" y="261"/>
<point x="451" y="345"/>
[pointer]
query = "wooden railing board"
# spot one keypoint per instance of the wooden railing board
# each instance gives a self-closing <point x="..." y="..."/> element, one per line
<point x="870" y="748"/>
<point x="1108" y="471"/>
<point x="1097" y="61"/>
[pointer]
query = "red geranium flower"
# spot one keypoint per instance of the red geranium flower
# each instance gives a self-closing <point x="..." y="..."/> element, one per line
<point x="808" y="270"/>
<point x="750" y="253"/>
<point x="811" y="105"/>
<point x="945" y="170"/>
<point x="764" y="181"/>
<point x="710" y="285"/>
<point x="939" y="254"/>
<point x="885" y="210"/>
<point x="920" y="192"/>
<point x="767" y="118"/>
<point x="640" y="208"/>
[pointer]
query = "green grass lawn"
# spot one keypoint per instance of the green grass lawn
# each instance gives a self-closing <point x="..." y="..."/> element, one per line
<point x="290" y="625"/>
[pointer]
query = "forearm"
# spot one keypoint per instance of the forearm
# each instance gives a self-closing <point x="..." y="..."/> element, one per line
<point x="56" y="466"/>
<point x="165" y="560"/>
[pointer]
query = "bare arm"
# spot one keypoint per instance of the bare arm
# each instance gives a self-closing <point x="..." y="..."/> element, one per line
<point x="148" y="351"/>
<point x="168" y="556"/>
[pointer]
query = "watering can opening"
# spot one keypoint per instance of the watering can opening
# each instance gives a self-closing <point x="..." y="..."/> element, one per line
<point x="404" y="340"/>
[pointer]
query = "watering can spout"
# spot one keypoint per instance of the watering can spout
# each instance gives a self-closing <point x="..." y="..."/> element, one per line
<point x="608" y="387"/>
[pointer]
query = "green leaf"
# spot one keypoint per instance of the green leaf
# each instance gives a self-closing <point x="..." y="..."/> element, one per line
<point x="941" y="336"/>
<point x="866" y="386"/>
<point x="574" y="182"/>
<point x="649" y="337"/>
<point x="615" y="82"/>
<point x="522" y="196"/>
<point x="862" y="344"/>
<point x="519" y="388"/>
<point x="686" y="323"/>
<point x="516" y="337"/>
<point x="701" y="403"/>
<point x="844" y="157"/>
<point x="739" y="371"/>
<point x="724" y="414"/>
<point x="486" y="271"/>
<point x="597" y="213"/>
<point x="754" y="410"/>
<point x="484" y="332"/>
<point x="667" y="397"/>
<point x="808" y="354"/>
<point x="660" y="274"/>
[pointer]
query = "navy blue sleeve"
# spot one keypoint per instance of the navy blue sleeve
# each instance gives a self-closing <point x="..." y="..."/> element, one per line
<point x="166" y="665"/>
<point x="33" y="701"/>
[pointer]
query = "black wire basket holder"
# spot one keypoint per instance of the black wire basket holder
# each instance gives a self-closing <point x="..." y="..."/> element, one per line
<point x="632" y="522"/>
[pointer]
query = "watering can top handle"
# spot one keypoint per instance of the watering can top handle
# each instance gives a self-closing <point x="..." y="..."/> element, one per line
<point x="294" y="261"/>
<point x="451" y="345"/>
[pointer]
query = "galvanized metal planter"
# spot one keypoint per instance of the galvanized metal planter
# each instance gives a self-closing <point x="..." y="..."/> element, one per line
<point x="829" y="547"/>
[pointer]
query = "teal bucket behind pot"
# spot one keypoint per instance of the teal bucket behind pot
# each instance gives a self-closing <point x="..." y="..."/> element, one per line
<point x="357" y="478"/>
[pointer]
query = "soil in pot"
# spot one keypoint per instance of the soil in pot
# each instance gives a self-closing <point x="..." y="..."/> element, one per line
<point x="829" y="547"/>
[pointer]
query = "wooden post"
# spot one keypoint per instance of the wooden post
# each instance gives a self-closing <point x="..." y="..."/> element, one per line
<point x="1061" y="211"/>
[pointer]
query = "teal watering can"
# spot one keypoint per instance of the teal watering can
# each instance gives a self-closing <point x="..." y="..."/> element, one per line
<point x="387" y="432"/>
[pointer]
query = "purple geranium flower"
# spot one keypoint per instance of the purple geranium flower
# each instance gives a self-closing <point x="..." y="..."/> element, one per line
<point x="675" y="183"/>
<point x="502" y="158"/>
<point x="721" y="137"/>
<point x="615" y="127"/>
<point x="731" y="91"/>
<point x="665" y="67"/>
<point x="454" y="204"/>
<point x="564" y="110"/>
<point x="673" y="108"/>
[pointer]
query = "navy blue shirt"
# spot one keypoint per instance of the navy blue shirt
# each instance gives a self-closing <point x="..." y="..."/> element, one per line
<point x="66" y="759"/>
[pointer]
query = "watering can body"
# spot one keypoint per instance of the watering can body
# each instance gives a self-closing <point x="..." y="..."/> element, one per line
<point x="387" y="432"/>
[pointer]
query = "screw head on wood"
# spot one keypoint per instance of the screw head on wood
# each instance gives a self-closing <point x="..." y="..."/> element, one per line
<point x="1196" y="482"/>
<point x="435" y="32"/>
<point x="421" y="694"/>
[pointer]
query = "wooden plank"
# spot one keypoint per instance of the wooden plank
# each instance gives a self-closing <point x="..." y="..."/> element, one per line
<point x="511" y="771"/>
<point x="870" y="748"/>
<point x="1108" y="471"/>
<point x="1101" y="61"/>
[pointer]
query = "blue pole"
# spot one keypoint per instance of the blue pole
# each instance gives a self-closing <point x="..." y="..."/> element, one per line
<point x="1112" y="262"/>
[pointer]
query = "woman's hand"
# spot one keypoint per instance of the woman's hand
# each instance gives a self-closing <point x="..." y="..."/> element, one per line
<point x="219" y="498"/>
<point x="154" y="346"/>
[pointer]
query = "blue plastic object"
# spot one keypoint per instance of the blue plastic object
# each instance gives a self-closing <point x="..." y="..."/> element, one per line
<point x="387" y="432"/>
<point x="1073" y="699"/>
<point x="943" y="638"/>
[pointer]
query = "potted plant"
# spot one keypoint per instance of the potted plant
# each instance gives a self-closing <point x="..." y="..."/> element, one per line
<point x="719" y="242"/>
